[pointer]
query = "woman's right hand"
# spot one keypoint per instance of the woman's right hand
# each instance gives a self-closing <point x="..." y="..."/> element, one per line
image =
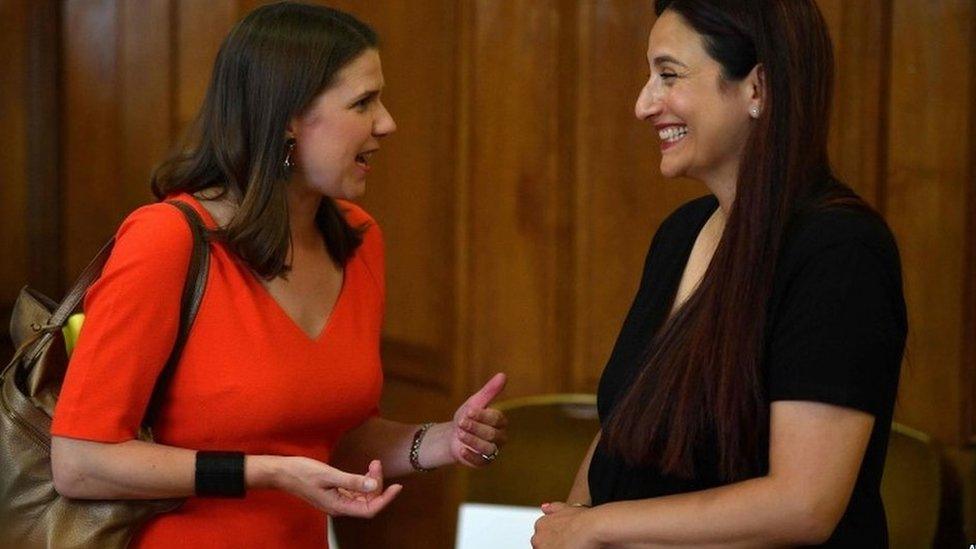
<point x="331" y="490"/>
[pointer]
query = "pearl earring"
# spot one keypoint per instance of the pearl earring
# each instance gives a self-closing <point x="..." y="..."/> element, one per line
<point x="754" y="111"/>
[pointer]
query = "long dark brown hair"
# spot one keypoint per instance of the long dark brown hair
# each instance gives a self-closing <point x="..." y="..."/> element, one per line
<point x="269" y="69"/>
<point x="701" y="382"/>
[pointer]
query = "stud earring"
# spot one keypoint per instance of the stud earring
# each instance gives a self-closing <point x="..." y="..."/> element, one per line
<point x="754" y="111"/>
<point x="290" y="143"/>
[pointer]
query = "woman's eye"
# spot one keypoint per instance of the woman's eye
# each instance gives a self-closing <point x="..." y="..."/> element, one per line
<point x="362" y="104"/>
<point x="668" y="75"/>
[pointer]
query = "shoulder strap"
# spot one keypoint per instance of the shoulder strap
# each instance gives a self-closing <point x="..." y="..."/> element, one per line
<point x="193" y="287"/>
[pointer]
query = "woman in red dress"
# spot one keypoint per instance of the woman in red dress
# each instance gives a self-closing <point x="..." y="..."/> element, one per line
<point x="280" y="376"/>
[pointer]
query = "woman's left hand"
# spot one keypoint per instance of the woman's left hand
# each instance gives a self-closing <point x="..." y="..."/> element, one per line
<point x="562" y="527"/>
<point x="479" y="431"/>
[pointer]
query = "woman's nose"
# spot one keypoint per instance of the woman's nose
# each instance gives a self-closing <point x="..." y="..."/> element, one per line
<point x="384" y="124"/>
<point x="648" y="103"/>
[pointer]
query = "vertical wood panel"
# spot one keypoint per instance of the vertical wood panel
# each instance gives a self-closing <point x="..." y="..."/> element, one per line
<point x="201" y="26"/>
<point x="858" y="31"/>
<point x="515" y="197"/>
<point x="90" y="128"/>
<point x="13" y="151"/>
<point x="145" y="96"/>
<point x="43" y="176"/>
<point x="928" y="174"/>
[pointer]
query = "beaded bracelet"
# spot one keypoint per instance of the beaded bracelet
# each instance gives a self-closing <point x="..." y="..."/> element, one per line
<point x="418" y="437"/>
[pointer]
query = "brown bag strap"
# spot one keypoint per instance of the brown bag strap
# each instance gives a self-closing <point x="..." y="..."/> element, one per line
<point x="193" y="288"/>
<point x="77" y="291"/>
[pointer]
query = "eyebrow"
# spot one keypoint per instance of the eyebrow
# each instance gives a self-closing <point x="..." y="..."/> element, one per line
<point x="662" y="59"/>
<point x="368" y="94"/>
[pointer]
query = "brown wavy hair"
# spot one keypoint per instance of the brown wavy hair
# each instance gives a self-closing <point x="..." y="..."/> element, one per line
<point x="269" y="69"/>
<point x="701" y="382"/>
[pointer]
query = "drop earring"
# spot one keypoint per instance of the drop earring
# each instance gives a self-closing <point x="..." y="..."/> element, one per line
<point x="289" y="163"/>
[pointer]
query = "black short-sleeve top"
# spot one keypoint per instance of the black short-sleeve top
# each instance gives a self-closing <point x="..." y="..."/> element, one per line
<point x="835" y="333"/>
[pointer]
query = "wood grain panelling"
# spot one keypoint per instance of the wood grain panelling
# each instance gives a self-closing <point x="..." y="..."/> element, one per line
<point x="858" y="31"/>
<point x="43" y="177"/>
<point x="517" y="204"/>
<point x="200" y="27"/>
<point x="145" y="95"/>
<point x="930" y="144"/>
<point x="13" y="152"/>
<point x="118" y="97"/>
<point x="90" y="128"/>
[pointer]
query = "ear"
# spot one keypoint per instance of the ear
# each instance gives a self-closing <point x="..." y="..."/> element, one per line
<point x="291" y="130"/>
<point x="754" y="87"/>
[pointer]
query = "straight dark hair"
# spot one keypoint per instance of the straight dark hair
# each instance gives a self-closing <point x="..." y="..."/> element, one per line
<point x="269" y="69"/>
<point x="701" y="382"/>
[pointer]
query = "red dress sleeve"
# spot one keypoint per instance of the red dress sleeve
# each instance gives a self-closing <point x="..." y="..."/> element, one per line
<point x="131" y="321"/>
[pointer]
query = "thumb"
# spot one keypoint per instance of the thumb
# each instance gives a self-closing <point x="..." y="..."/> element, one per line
<point x="356" y="483"/>
<point x="486" y="394"/>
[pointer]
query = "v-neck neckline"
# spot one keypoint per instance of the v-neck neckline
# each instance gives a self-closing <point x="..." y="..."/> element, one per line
<point x="210" y="223"/>
<point x="329" y="318"/>
<point x="670" y="311"/>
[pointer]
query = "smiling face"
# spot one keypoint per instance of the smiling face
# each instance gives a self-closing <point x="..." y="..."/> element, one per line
<point x="702" y="120"/>
<point x="339" y="132"/>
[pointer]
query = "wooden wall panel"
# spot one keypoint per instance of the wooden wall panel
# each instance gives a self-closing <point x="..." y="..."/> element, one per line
<point x="517" y="208"/>
<point x="145" y="90"/>
<point x="90" y="129"/>
<point x="859" y="34"/>
<point x="201" y="26"/>
<point x="928" y="185"/>
<point x="13" y="152"/>
<point x="118" y="119"/>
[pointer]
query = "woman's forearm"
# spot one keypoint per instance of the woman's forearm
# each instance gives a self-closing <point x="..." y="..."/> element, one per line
<point x="580" y="491"/>
<point x="390" y="442"/>
<point x="754" y="513"/>
<point x="135" y="470"/>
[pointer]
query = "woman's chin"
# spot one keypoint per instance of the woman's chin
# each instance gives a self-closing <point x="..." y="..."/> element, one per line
<point x="671" y="170"/>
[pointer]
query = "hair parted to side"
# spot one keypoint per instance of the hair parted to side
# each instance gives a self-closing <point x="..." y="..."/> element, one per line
<point x="701" y="382"/>
<point x="269" y="69"/>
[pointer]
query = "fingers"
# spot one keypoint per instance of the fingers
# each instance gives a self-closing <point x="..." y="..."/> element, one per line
<point x="550" y="508"/>
<point x="476" y="443"/>
<point x="488" y="416"/>
<point x="472" y="458"/>
<point x="482" y="431"/>
<point x="361" y="507"/>
<point x="486" y="394"/>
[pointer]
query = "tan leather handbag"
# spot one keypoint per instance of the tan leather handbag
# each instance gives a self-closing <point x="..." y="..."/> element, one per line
<point x="32" y="513"/>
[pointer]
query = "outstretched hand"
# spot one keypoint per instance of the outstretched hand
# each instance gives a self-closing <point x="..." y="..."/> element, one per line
<point x="479" y="431"/>
<point x="336" y="492"/>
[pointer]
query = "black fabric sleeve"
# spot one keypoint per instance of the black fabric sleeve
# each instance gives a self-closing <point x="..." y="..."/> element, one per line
<point x="838" y="334"/>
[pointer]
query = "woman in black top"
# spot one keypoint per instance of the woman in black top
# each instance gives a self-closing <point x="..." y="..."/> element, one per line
<point x="749" y="396"/>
